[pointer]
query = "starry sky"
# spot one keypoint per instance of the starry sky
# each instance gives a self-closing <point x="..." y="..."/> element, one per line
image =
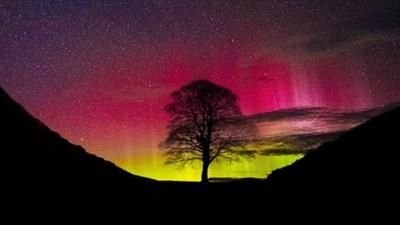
<point x="99" y="72"/>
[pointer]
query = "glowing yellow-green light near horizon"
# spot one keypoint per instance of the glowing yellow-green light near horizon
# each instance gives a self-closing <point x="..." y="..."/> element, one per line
<point x="259" y="167"/>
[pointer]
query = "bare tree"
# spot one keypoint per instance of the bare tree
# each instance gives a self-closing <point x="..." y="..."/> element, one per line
<point x="207" y="125"/>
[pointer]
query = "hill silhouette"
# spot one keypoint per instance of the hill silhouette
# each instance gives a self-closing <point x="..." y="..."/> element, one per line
<point x="360" y="165"/>
<point x="39" y="162"/>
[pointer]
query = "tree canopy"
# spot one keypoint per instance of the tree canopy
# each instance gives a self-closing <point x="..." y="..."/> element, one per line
<point x="206" y="125"/>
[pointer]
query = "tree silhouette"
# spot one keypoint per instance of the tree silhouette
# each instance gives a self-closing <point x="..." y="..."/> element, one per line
<point x="207" y="125"/>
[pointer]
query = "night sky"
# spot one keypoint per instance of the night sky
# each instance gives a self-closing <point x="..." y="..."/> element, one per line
<point x="100" y="72"/>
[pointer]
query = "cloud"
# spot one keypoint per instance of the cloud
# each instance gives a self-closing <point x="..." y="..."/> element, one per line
<point x="359" y="116"/>
<point x="380" y="25"/>
<point x="300" y="141"/>
<point x="320" y="113"/>
<point x="287" y="114"/>
<point x="297" y="143"/>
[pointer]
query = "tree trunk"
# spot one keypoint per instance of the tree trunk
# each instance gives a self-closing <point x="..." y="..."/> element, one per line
<point x="206" y="164"/>
<point x="204" y="172"/>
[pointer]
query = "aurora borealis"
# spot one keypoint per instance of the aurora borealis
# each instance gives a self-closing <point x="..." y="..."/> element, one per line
<point x="100" y="72"/>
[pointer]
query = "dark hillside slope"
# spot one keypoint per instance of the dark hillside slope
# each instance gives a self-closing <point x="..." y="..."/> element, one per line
<point x="38" y="160"/>
<point x="361" y="164"/>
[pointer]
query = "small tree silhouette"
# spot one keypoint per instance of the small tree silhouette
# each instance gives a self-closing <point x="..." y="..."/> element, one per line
<point x="207" y="125"/>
